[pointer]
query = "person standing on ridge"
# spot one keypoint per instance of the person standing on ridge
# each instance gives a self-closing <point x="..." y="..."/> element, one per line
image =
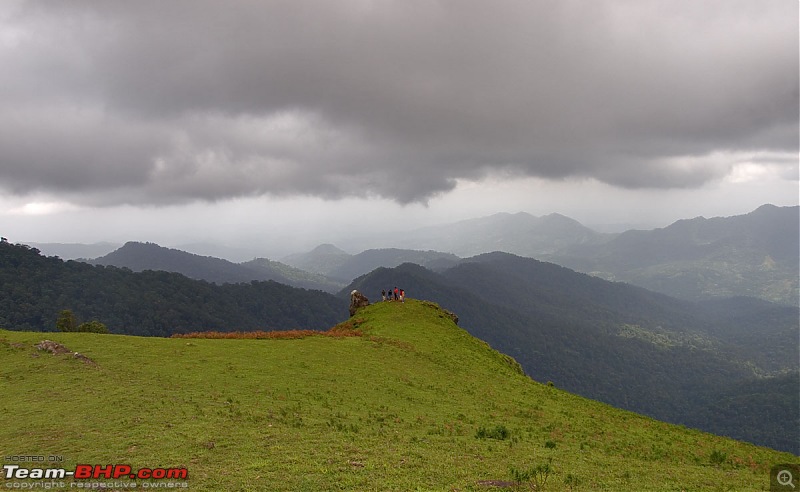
<point x="402" y="295"/>
<point x="383" y="294"/>
<point x="395" y="293"/>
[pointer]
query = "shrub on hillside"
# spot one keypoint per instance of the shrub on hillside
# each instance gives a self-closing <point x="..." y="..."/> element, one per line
<point x="499" y="432"/>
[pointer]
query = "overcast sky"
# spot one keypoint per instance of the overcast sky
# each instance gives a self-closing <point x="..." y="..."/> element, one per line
<point x="295" y="122"/>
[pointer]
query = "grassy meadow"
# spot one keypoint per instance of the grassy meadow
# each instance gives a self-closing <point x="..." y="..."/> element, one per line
<point x="414" y="403"/>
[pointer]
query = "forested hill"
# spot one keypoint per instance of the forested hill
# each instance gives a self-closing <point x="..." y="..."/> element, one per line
<point x="35" y="288"/>
<point x="149" y="256"/>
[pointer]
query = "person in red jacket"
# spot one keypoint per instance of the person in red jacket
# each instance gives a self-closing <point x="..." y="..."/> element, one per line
<point x="396" y="297"/>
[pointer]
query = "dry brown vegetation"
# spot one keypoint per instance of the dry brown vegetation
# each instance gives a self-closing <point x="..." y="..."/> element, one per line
<point x="346" y="329"/>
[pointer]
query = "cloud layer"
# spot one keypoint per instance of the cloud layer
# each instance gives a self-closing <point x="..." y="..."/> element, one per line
<point x="168" y="102"/>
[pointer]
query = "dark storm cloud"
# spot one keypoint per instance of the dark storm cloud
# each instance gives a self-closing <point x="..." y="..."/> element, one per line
<point x="154" y="101"/>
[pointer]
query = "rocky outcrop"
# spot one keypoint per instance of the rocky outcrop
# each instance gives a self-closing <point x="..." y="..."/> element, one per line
<point x="357" y="301"/>
<point x="56" y="348"/>
<point x="451" y="315"/>
<point x="443" y="313"/>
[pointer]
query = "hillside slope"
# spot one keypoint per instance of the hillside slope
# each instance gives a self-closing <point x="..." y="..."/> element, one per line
<point x="621" y="344"/>
<point x="414" y="403"/>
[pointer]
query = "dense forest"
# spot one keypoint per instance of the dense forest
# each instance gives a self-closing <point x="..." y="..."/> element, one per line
<point x="761" y="410"/>
<point x="34" y="289"/>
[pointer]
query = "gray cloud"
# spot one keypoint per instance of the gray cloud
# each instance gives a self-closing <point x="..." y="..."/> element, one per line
<point x="163" y="102"/>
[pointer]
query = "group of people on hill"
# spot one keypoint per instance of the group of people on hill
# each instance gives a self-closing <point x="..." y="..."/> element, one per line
<point x="394" y="295"/>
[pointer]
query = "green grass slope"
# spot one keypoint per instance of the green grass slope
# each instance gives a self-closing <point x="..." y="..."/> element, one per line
<point x="414" y="404"/>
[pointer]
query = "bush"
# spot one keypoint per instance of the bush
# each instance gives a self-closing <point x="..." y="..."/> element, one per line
<point x="717" y="457"/>
<point x="500" y="432"/>
<point x="535" y="477"/>
<point x="93" y="326"/>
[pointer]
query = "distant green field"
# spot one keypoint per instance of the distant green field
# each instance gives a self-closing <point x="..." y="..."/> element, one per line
<point x="414" y="404"/>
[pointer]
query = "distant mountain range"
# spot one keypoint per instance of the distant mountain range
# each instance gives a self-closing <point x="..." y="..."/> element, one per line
<point x="326" y="268"/>
<point x="675" y="360"/>
<point x="756" y="254"/>
<point x="74" y="251"/>
<point x="148" y="256"/>
<point x="332" y="262"/>
<point x="521" y="234"/>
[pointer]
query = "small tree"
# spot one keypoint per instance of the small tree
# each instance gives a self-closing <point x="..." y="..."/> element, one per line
<point x="66" y="321"/>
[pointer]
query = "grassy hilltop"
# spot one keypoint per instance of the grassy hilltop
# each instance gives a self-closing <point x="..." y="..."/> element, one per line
<point x="415" y="403"/>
